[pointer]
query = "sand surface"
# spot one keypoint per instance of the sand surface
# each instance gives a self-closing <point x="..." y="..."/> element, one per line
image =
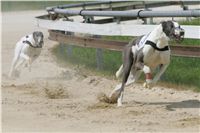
<point x="55" y="99"/>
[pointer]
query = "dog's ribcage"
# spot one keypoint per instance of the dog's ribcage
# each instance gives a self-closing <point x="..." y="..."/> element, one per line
<point x="153" y="58"/>
<point x="27" y="49"/>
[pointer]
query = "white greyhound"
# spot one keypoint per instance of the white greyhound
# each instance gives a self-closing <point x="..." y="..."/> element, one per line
<point x="145" y="54"/>
<point x="27" y="49"/>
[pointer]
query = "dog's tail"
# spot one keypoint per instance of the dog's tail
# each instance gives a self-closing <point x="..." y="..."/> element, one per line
<point x="119" y="72"/>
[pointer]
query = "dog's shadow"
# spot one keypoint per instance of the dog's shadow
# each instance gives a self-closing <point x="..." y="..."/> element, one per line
<point x="171" y="106"/>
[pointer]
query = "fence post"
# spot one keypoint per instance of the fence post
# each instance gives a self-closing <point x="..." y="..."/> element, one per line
<point x="69" y="51"/>
<point x="148" y="20"/>
<point x="69" y="47"/>
<point x="99" y="56"/>
<point x="62" y="50"/>
<point x="186" y="8"/>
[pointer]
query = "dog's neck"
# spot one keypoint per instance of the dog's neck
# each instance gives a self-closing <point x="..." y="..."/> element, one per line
<point x="159" y="37"/>
<point x="31" y="39"/>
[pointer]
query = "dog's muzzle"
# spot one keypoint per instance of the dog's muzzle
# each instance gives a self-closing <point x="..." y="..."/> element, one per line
<point x="40" y="44"/>
<point x="179" y="34"/>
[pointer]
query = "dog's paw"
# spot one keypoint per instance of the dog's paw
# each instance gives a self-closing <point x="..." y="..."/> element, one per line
<point x="119" y="103"/>
<point x="148" y="85"/>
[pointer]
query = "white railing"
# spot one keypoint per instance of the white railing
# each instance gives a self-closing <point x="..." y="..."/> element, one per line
<point x="112" y="29"/>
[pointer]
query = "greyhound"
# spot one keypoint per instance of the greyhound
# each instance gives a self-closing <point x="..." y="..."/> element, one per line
<point x="144" y="54"/>
<point x="28" y="48"/>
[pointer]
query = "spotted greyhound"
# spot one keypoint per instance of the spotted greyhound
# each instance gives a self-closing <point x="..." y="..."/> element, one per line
<point x="154" y="52"/>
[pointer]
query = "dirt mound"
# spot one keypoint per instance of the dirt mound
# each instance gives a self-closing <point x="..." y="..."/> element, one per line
<point x="100" y="105"/>
<point x="56" y="92"/>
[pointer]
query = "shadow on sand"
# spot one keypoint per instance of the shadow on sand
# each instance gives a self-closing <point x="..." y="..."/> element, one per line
<point x="171" y="106"/>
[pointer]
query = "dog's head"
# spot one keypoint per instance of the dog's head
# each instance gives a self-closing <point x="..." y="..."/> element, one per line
<point x="173" y="30"/>
<point x="38" y="38"/>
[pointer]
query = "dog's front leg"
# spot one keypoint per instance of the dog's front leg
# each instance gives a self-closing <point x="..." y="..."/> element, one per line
<point x="148" y="75"/>
<point x="160" y="72"/>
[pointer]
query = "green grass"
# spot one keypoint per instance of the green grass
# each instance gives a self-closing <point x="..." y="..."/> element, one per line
<point x="186" y="41"/>
<point x="195" y="21"/>
<point x="118" y="38"/>
<point x="87" y="57"/>
<point x="184" y="71"/>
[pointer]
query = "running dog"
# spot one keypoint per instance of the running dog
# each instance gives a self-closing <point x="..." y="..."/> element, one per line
<point x="26" y="51"/>
<point x="144" y="54"/>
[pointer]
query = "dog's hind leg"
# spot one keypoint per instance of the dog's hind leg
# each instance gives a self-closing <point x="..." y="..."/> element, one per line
<point x="27" y="58"/>
<point x="21" y="61"/>
<point x="13" y="65"/>
<point x="127" y="68"/>
<point x="135" y="76"/>
<point x="132" y="77"/>
<point x="117" y="94"/>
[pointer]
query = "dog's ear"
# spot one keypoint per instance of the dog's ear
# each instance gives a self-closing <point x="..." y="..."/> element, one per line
<point x="164" y="25"/>
<point x="37" y="33"/>
<point x="167" y="27"/>
<point x="35" y="36"/>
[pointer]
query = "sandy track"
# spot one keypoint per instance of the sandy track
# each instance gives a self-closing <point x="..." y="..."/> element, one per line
<point x="51" y="98"/>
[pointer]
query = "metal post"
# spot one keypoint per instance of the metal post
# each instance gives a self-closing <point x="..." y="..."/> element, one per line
<point x="117" y="20"/>
<point x="61" y="50"/>
<point x="151" y="20"/>
<point x="186" y="8"/>
<point x="99" y="56"/>
<point x="69" y="47"/>
<point x="69" y="51"/>
<point x="148" y="20"/>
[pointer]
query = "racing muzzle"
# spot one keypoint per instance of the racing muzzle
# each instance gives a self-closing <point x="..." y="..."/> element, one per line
<point x="179" y="33"/>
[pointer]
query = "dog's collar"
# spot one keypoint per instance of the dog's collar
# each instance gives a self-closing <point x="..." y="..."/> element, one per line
<point x="155" y="47"/>
<point x="30" y="44"/>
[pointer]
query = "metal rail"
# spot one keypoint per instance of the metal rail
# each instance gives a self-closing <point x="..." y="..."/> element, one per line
<point x="83" y="4"/>
<point x="139" y="14"/>
<point x="136" y="4"/>
<point x="65" y="9"/>
<point x="178" y="50"/>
